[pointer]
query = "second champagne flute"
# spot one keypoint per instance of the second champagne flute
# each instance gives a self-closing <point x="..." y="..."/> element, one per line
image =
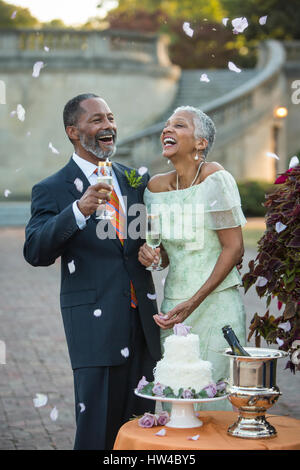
<point x="104" y="176"/>
<point x="153" y="237"/>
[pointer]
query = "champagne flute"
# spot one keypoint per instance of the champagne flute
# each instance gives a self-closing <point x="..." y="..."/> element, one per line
<point x="104" y="176"/>
<point x="153" y="237"/>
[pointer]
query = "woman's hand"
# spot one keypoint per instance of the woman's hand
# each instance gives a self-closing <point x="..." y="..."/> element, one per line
<point x="148" y="255"/>
<point x="177" y="315"/>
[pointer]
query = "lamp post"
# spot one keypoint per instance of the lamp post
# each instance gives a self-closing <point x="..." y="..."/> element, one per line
<point x="279" y="113"/>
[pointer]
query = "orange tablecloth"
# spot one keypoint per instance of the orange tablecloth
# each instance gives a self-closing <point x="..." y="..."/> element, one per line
<point x="213" y="435"/>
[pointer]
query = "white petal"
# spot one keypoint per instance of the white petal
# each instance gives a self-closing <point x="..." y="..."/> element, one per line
<point x="14" y="14"/>
<point x="240" y="24"/>
<point x="204" y="78"/>
<point x="295" y="343"/>
<point x="21" y="112"/>
<point x="46" y="49"/>
<point x="7" y="192"/>
<point x="151" y="296"/>
<point x="187" y="29"/>
<point x="263" y="19"/>
<point x="98" y="312"/>
<point x="194" y="438"/>
<point x="213" y="203"/>
<point x="272" y="155"/>
<point x="37" y="68"/>
<point x="13" y="113"/>
<point x="294" y="161"/>
<point x="225" y="21"/>
<point x="279" y="341"/>
<point x="54" y="414"/>
<point x="79" y="184"/>
<point x="279" y="227"/>
<point x="296" y="357"/>
<point x="125" y="352"/>
<point x="162" y="432"/>
<point x="40" y="400"/>
<point x="71" y="266"/>
<point x="82" y="407"/>
<point x="142" y="170"/>
<point x="54" y="150"/>
<point x="286" y="326"/>
<point x="262" y="281"/>
<point x="233" y="67"/>
<point x="28" y="134"/>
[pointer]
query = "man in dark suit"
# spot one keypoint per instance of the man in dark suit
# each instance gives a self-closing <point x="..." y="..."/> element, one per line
<point x="112" y="338"/>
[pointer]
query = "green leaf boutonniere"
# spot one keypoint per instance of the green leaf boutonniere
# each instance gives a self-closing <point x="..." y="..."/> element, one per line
<point x="133" y="180"/>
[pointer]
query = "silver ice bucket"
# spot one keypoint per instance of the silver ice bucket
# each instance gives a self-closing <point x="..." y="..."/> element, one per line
<point x="253" y="390"/>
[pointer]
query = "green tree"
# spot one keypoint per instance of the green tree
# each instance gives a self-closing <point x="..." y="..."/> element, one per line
<point x="23" y="18"/>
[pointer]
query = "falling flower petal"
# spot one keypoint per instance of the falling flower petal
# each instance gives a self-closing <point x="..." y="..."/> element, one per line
<point x="279" y="227"/>
<point x="296" y="357"/>
<point x="142" y="170"/>
<point x="233" y="67"/>
<point x="239" y="24"/>
<point x="187" y="29"/>
<point x="14" y="14"/>
<point x="13" y="113"/>
<point x="46" y="49"/>
<point x="151" y="296"/>
<point x="294" y="161"/>
<point x="225" y="21"/>
<point x="286" y="326"/>
<point x="162" y="432"/>
<point x="37" y="68"/>
<point x="125" y="352"/>
<point x="279" y="341"/>
<point x="272" y="155"/>
<point x="40" y="400"/>
<point x="204" y="78"/>
<point x="21" y="112"/>
<point x="54" y="414"/>
<point x="262" y="20"/>
<point x="53" y="149"/>
<point x="213" y="203"/>
<point x="28" y="134"/>
<point x="79" y="184"/>
<point x="262" y="281"/>
<point x="7" y="192"/>
<point x="82" y="407"/>
<point x="71" y="266"/>
<point x="98" y="312"/>
<point x="194" y="438"/>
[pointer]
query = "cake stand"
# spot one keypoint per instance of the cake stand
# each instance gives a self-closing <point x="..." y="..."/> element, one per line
<point x="182" y="413"/>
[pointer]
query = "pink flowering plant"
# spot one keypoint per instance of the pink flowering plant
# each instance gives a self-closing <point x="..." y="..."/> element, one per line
<point x="276" y="269"/>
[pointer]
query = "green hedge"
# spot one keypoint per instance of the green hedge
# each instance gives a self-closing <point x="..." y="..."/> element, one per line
<point x="253" y="196"/>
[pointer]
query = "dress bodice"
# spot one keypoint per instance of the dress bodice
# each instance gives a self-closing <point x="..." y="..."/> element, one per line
<point x="190" y="219"/>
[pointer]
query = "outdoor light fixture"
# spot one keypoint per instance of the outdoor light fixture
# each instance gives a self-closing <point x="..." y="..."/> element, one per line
<point x="281" y="112"/>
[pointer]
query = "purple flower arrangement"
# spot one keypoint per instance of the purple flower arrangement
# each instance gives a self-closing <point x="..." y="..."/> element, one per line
<point x="148" y="420"/>
<point x="213" y="390"/>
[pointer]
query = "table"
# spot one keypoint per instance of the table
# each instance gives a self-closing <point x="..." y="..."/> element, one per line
<point x="213" y="435"/>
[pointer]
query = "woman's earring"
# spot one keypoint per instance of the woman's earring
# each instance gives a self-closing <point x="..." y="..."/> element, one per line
<point x="168" y="162"/>
<point x="196" y="157"/>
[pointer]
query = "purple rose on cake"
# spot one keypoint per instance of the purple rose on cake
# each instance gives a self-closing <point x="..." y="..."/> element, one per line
<point x="187" y="394"/>
<point x="141" y="384"/>
<point x="211" y="390"/>
<point x="163" y="418"/>
<point x="147" y="420"/>
<point x="158" y="389"/>
<point x="181" y="330"/>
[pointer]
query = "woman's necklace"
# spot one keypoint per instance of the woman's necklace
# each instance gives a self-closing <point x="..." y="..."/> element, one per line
<point x="197" y="174"/>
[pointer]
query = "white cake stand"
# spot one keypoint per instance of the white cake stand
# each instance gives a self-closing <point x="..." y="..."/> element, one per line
<point x="183" y="413"/>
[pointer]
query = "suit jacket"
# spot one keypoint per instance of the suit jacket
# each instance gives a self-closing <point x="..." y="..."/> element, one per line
<point x="103" y="270"/>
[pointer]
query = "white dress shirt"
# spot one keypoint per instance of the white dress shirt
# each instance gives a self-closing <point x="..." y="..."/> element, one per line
<point x="88" y="169"/>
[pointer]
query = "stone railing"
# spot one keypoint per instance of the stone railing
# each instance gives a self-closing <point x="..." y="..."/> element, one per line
<point x="77" y="48"/>
<point x="232" y="113"/>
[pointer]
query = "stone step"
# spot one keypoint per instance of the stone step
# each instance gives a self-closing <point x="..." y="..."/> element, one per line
<point x="14" y="214"/>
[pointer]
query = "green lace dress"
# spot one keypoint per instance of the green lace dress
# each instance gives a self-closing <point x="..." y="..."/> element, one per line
<point x="190" y="219"/>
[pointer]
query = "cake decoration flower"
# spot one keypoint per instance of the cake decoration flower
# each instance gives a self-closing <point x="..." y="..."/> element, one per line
<point x="163" y="418"/>
<point x="147" y="420"/>
<point x="187" y="394"/>
<point x="158" y="389"/>
<point x="142" y="384"/>
<point x="181" y="330"/>
<point x="211" y="390"/>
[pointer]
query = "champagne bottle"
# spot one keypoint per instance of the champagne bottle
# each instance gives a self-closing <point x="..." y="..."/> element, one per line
<point x="236" y="347"/>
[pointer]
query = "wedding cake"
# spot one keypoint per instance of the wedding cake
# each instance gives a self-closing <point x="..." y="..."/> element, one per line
<point x="181" y="365"/>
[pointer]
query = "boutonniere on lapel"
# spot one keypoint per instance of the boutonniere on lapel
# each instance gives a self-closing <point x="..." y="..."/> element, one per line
<point x="133" y="180"/>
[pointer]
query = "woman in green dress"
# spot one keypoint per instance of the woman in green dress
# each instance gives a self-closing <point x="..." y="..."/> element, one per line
<point x="201" y="288"/>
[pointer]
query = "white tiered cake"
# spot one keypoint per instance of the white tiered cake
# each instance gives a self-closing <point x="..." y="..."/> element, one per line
<point x="181" y="366"/>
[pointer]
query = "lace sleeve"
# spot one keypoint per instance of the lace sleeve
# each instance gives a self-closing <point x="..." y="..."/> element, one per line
<point x="223" y="202"/>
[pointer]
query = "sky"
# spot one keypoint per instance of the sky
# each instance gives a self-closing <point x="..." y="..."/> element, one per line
<point x="72" y="12"/>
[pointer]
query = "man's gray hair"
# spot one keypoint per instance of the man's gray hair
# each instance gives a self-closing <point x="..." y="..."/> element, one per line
<point x="204" y="126"/>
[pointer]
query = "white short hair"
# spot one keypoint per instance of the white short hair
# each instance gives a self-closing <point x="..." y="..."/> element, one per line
<point x="204" y="126"/>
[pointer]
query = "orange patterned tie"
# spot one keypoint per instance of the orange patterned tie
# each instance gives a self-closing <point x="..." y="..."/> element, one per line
<point x="118" y="223"/>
